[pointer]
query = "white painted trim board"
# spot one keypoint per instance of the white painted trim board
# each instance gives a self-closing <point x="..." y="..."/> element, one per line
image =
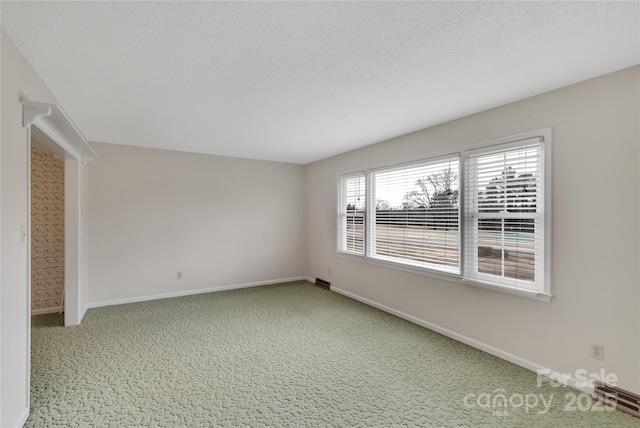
<point x="42" y="311"/>
<point x="534" y="367"/>
<point x="192" y="292"/>
<point x="23" y="418"/>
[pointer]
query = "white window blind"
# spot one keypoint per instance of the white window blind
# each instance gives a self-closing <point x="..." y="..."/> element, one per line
<point x="351" y="212"/>
<point x="416" y="215"/>
<point x="504" y="215"/>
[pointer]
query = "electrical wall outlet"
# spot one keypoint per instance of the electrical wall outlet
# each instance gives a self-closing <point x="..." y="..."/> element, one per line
<point x="329" y="271"/>
<point x="597" y="352"/>
<point x="179" y="275"/>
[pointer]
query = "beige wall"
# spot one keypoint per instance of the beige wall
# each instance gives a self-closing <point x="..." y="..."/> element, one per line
<point x="47" y="230"/>
<point x="595" y="276"/>
<point x="220" y="221"/>
<point x="18" y="81"/>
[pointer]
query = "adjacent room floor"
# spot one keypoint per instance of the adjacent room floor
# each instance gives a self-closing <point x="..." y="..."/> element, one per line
<point x="280" y="355"/>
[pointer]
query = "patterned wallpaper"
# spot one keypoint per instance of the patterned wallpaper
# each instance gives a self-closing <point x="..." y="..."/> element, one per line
<point x="47" y="230"/>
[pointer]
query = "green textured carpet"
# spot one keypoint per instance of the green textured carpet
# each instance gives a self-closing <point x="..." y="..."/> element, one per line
<point x="280" y="355"/>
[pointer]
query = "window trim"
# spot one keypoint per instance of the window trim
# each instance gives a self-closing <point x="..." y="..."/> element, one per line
<point x="470" y="216"/>
<point x="463" y="153"/>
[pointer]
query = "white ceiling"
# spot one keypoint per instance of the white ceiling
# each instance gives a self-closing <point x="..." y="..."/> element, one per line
<point x="298" y="82"/>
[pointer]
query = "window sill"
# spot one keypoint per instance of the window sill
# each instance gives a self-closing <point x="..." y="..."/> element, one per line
<point x="528" y="294"/>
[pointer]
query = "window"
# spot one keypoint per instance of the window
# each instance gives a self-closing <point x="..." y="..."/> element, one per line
<point x="504" y="214"/>
<point x="479" y="215"/>
<point x="415" y="220"/>
<point x="352" y="214"/>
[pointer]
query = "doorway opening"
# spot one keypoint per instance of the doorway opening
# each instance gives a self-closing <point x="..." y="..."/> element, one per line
<point x="49" y="129"/>
<point x="47" y="226"/>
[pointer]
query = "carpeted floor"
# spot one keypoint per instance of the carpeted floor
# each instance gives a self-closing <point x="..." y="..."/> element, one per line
<point x="290" y="355"/>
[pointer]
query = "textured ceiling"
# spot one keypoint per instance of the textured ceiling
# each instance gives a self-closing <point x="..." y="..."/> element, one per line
<point x="298" y="82"/>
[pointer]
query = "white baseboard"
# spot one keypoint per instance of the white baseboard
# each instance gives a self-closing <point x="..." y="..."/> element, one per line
<point x="83" y="312"/>
<point x="23" y="418"/>
<point x="537" y="368"/>
<point x="42" y="311"/>
<point x="191" y="292"/>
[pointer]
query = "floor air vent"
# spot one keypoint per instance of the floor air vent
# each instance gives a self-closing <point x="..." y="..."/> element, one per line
<point x="625" y="401"/>
<point x="322" y="283"/>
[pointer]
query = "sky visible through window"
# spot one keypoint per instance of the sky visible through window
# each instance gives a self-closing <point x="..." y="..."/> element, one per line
<point x="394" y="188"/>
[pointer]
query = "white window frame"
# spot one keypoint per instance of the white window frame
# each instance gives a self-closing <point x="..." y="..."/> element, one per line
<point x="541" y="291"/>
<point x="342" y="215"/>
<point x="471" y="215"/>
<point x="371" y="239"/>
